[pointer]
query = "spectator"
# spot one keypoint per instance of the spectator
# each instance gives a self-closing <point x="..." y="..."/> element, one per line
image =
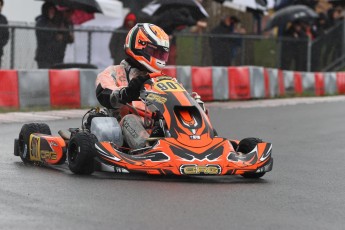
<point x="319" y="48"/>
<point x="224" y="47"/>
<point x="335" y="16"/>
<point x="320" y="26"/>
<point x="45" y="38"/>
<point x="51" y="42"/>
<point x="4" y="33"/>
<point x="64" y="34"/>
<point x="294" y="48"/>
<point x="119" y="36"/>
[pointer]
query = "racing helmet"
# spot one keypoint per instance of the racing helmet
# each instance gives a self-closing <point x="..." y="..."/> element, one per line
<point x="148" y="44"/>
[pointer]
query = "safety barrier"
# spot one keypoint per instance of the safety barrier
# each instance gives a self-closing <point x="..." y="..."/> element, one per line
<point x="74" y="88"/>
<point x="9" y="88"/>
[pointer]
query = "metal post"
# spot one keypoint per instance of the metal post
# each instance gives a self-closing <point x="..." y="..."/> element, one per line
<point x="279" y="54"/>
<point x="89" y="41"/>
<point x="243" y="50"/>
<point x="343" y="54"/>
<point x="309" y="55"/>
<point x="196" y="51"/>
<point x="12" y="48"/>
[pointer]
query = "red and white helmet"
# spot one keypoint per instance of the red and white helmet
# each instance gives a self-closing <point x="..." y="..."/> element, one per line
<point x="149" y="45"/>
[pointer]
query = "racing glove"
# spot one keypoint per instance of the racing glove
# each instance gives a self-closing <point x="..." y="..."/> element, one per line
<point x="131" y="92"/>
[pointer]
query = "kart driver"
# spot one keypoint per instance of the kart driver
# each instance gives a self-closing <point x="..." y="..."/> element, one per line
<point x="147" y="48"/>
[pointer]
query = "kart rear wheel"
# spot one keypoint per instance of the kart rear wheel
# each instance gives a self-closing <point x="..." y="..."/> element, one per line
<point x="24" y="138"/>
<point x="81" y="152"/>
<point x="245" y="146"/>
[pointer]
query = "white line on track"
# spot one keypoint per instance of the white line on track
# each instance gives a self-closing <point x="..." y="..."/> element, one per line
<point x="13" y="117"/>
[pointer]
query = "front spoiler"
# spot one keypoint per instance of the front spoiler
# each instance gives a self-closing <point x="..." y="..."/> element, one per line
<point x="218" y="159"/>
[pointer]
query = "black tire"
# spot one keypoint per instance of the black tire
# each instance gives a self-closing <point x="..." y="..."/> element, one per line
<point x="215" y="133"/>
<point x="248" y="144"/>
<point x="234" y="145"/>
<point x="24" y="138"/>
<point x="245" y="146"/>
<point x="81" y="153"/>
<point x="16" y="147"/>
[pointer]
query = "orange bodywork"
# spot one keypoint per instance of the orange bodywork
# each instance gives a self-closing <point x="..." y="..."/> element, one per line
<point x="192" y="148"/>
<point x="169" y="157"/>
<point x="48" y="149"/>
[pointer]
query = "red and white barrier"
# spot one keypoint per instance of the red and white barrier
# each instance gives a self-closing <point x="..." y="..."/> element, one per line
<point x="64" y="88"/>
<point x="9" y="95"/>
<point x="202" y="82"/>
<point x="319" y="84"/>
<point x="76" y="88"/>
<point x="341" y="83"/>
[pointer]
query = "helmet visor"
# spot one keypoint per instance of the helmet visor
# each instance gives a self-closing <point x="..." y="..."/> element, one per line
<point x="159" y="52"/>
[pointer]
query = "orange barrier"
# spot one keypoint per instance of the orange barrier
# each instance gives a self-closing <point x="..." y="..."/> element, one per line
<point x="9" y="95"/>
<point x="64" y="88"/>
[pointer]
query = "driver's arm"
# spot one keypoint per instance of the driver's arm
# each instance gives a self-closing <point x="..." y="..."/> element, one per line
<point x="131" y="92"/>
<point x="111" y="79"/>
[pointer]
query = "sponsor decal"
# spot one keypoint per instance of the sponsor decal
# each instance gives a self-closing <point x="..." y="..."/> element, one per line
<point x="156" y="98"/>
<point x="161" y="78"/>
<point x="200" y="169"/>
<point x="194" y="137"/>
<point x="131" y="131"/>
<point x="46" y="155"/>
<point x="35" y="148"/>
<point x="120" y="170"/>
<point x="154" y="157"/>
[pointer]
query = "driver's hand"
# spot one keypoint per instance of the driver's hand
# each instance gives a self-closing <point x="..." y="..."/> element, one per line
<point x="132" y="91"/>
<point x="136" y="82"/>
<point x="115" y="99"/>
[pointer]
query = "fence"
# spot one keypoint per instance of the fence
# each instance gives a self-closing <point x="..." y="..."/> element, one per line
<point x="325" y="53"/>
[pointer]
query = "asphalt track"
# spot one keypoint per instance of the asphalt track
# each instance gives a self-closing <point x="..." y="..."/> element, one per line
<point x="305" y="190"/>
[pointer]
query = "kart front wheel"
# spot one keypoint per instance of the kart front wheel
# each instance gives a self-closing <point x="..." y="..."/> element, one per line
<point x="23" y="143"/>
<point x="245" y="146"/>
<point x="81" y="152"/>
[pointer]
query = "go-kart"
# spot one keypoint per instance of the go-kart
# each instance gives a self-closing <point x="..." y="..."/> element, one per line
<point x="187" y="145"/>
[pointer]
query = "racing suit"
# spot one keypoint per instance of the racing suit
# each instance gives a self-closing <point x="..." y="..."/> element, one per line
<point x="109" y="84"/>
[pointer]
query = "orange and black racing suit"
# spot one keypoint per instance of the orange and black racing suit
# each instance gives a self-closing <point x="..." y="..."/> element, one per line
<point x="114" y="79"/>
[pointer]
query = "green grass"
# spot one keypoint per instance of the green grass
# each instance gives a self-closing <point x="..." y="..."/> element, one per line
<point x="189" y="50"/>
<point x="194" y="51"/>
<point x="265" y="53"/>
